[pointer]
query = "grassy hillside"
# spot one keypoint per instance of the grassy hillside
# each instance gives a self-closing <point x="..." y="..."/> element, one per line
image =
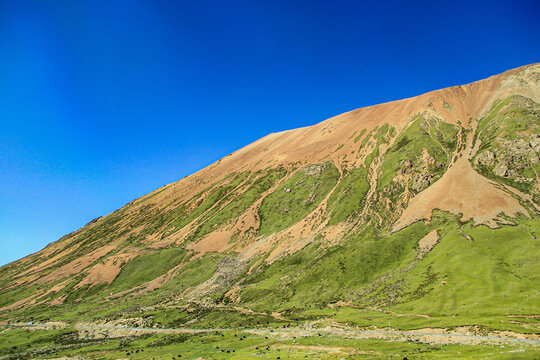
<point x="306" y="238"/>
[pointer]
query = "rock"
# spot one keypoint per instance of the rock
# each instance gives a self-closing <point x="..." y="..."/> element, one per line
<point x="421" y="181"/>
<point x="534" y="143"/>
<point x="486" y="158"/>
<point x="313" y="170"/>
<point x="518" y="162"/>
<point x="311" y="198"/>
<point x="430" y="160"/>
<point x="519" y="147"/>
<point x="406" y="167"/>
<point x="501" y="170"/>
<point x="516" y="176"/>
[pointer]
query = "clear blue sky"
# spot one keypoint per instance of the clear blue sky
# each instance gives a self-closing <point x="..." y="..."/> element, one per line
<point x="104" y="101"/>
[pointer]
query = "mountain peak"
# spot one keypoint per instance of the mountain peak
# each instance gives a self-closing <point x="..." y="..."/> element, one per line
<point x="290" y="217"/>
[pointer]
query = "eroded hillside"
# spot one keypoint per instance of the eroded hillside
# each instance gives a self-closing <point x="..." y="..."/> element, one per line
<point x="426" y="207"/>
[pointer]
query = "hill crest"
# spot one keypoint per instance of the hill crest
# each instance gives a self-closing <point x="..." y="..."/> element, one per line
<point x="467" y="154"/>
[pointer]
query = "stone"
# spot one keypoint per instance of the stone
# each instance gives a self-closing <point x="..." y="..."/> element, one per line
<point x="534" y="143"/>
<point x="486" y="158"/>
<point x="501" y="170"/>
<point x="313" y="170"/>
<point x="422" y="181"/>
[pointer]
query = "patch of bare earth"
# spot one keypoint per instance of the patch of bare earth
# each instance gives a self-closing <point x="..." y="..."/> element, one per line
<point x="461" y="190"/>
<point x="34" y="298"/>
<point x="427" y="243"/>
<point x="341" y="350"/>
<point x="216" y="241"/>
<point x="77" y="265"/>
<point x="108" y="270"/>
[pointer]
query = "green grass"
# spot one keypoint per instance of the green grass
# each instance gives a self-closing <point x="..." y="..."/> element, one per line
<point x="348" y="195"/>
<point x="491" y="275"/>
<point x="410" y="144"/>
<point x="316" y="276"/>
<point x="509" y="118"/>
<point x="147" y="267"/>
<point x="240" y="345"/>
<point x="381" y="133"/>
<point x="16" y="340"/>
<point x="369" y="159"/>
<point x="262" y="181"/>
<point x="368" y="137"/>
<point x="195" y="272"/>
<point x="296" y="197"/>
<point x="460" y="282"/>
<point x="445" y="133"/>
<point x="493" y="112"/>
<point x="18" y="293"/>
<point x="356" y="139"/>
<point x="215" y="195"/>
<point x="513" y="118"/>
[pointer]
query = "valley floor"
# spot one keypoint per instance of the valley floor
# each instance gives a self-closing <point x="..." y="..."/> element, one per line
<point x="51" y="341"/>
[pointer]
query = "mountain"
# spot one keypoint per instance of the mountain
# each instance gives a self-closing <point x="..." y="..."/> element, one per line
<point x="422" y="211"/>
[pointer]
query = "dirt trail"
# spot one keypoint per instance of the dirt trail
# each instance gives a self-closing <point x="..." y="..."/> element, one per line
<point x="432" y="336"/>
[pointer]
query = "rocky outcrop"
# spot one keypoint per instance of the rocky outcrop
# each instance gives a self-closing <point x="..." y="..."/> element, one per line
<point x="421" y="181"/>
<point x="534" y="143"/>
<point x="313" y="170"/>
<point x="406" y="167"/>
<point x="487" y="158"/>
<point x="501" y="170"/>
<point x="228" y="270"/>
<point x="511" y="158"/>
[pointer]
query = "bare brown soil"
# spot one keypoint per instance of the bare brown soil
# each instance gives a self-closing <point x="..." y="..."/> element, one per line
<point x="427" y="243"/>
<point x="461" y="190"/>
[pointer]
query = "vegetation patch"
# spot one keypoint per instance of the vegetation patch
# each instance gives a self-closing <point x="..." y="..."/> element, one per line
<point x="297" y="197"/>
<point x="510" y="144"/>
<point x="147" y="267"/>
<point x="356" y="139"/>
<point x="410" y="145"/>
<point x="262" y="181"/>
<point x="348" y="195"/>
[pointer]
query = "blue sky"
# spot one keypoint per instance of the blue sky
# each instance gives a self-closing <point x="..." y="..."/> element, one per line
<point x="104" y="101"/>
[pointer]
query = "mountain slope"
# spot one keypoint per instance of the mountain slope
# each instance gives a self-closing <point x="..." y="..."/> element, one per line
<point x="426" y="208"/>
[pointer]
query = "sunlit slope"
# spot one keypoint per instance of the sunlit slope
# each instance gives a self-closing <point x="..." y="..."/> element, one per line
<point x="425" y="207"/>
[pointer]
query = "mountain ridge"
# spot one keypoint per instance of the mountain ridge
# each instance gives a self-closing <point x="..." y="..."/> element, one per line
<point x="372" y="183"/>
